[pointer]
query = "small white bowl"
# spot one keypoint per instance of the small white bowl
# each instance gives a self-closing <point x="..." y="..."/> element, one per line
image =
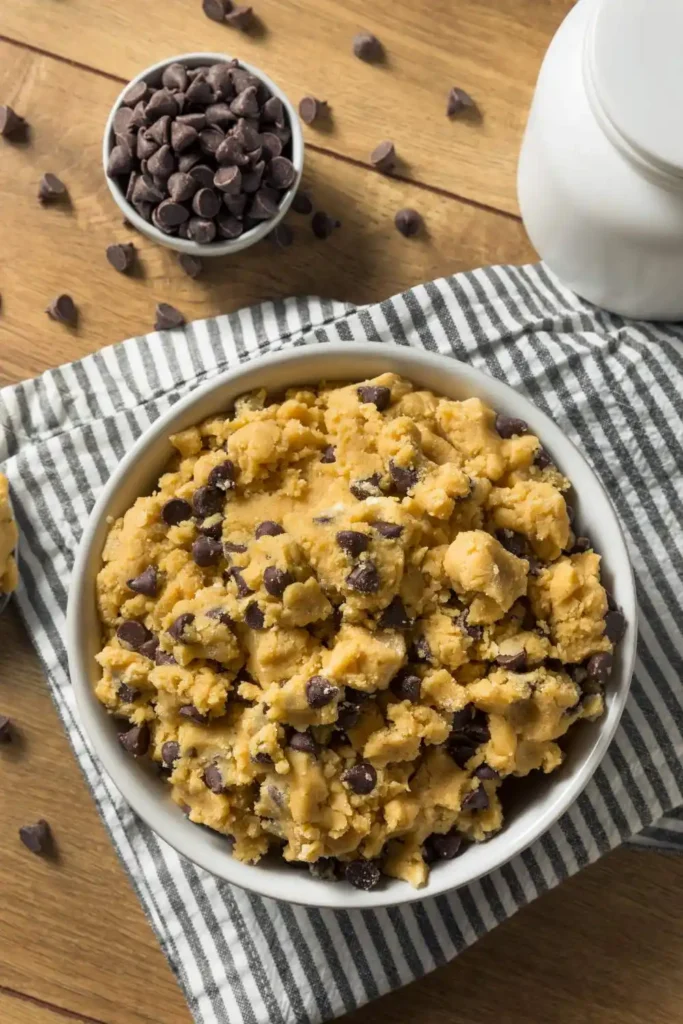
<point x="218" y="248"/>
<point x="538" y="802"/>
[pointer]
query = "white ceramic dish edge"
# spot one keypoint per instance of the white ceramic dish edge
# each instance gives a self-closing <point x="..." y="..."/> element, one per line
<point x="544" y="800"/>
<point x="185" y="245"/>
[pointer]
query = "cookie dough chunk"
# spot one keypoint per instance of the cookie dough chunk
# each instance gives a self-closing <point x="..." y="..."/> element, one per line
<point x="8" y="541"/>
<point x="535" y="509"/>
<point x="469" y="427"/>
<point x="485" y="574"/>
<point x="568" y="595"/>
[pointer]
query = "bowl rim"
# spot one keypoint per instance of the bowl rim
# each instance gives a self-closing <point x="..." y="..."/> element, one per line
<point x="95" y="718"/>
<point x="186" y="245"/>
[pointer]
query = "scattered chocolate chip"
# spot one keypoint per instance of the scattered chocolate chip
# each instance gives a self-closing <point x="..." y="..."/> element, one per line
<point x="304" y="742"/>
<point x="5" y="729"/>
<point x="127" y="694"/>
<point x="164" y="658"/>
<point x="37" y="838"/>
<point x="132" y="634"/>
<point x="477" y="800"/>
<point x="213" y="779"/>
<point x="362" y="874"/>
<point x="167" y="317"/>
<point x="442" y="847"/>
<point x="485" y="771"/>
<point x="121" y="256"/>
<point x="599" y="667"/>
<point x="403" y="478"/>
<point x="208" y="501"/>
<point x="508" y="426"/>
<point x="193" y="713"/>
<point x="364" y="578"/>
<point x="367" y="47"/>
<point x="513" y="662"/>
<point x="542" y="459"/>
<point x="301" y="203"/>
<point x="352" y="542"/>
<point x="63" y="310"/>
<point x="190" y="264"/>
<point x="347" y="715"/>
<point x="206" y="551"/>
<point x="240" y="17"/>
<point x="311" y="109"/>
<point x="232" y="548"/>
<point x="216" y="9"/>
<point x="254" y="617"/>
<point x="383" y="157"/>
<point x="170" y="752"/>
<point x="374" y="394"/>
<point x="178" y="628"/>
<point x="320" y="691"/>
<point x="11" y="124"/>
<point x="51" y="188"/>
<point x="322" y="225"/>
<point x="268" y="529"/>
<point x="120" y="162"/>
<point x="407" y="686"/>
<point x="176" y="511"/>
<point x="222" y="476"/>
<point x="360" y="778"/>
<point x="615" y="625"/>
<point x="394" y="616"/>
<point x="146" y="583"/>
<point x="408" y="222"/>
<point x="135" y="741"/>
<point x="390" y="531"/>
<point x="458" y="100"/>
<point x="242" y="589"/>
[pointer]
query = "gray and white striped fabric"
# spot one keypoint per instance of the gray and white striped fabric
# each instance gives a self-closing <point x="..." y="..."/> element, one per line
<point x="614" y="386"/>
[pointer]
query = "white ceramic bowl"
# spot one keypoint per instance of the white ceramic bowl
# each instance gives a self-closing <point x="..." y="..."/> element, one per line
<point x="217" y="248"/>
<point x="539" y="801"/>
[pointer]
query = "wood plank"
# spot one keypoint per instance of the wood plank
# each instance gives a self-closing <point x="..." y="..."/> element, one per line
<point x="16" y="1009"/>
<point x="492" y="48"/>
<point x="52" y="249"/>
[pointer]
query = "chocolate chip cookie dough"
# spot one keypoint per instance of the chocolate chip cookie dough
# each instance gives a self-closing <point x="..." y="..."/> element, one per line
<point x="8" y="541"/>
<point x="344" y="617"/>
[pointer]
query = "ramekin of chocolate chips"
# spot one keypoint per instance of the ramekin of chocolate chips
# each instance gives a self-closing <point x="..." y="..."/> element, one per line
<point x="203" y="154"/>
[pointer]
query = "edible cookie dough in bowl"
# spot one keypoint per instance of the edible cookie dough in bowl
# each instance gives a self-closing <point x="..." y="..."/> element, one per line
<point x="363" y="613"/>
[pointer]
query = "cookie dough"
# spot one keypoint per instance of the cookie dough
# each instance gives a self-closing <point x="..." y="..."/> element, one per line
<point x="344" y="617"/>
<point x="8" y="541"/>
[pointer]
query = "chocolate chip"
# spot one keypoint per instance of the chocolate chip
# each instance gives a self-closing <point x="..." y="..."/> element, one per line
<point x="146" y="583"/>
<point x="164" y="658"/>
<point x="159" y="132"/>
<point x="120" y="162"/>
<point x="301" y="203"/>
<point x="282" y="236"/>
<point x="374" y="394"/>
<point x="190" y="264"/>
<point x="51" y="188"/>
<point x="364" y="578"/>
<point x="508" y="426"/>
<point x="170" y="752"/>
<point x="127" y="694"/>
<point x="421" y="649"/>
<point x="240" y="17"/>
<point x="230" y="547"/>
<point x="270" y="144"/>
<point x="210" y="140"/>
<point x="216" y="9"/>
<point x="37" y="838"/>
<point x="475" y="632"/>
<point x="542" y="459"/>
<point x="254" y="617"/>
<point x="383" y="157"/>
<point x="5" y="729"/>
<point x="230" y="153"/>
<point x="11" y="124"/>
<point x="458" y="100"/>
<point x="360" y="778"/>
<point x="485" y="771"/>
<point x="161" y="103"/>
<point x="132" y="634"/>
<point x="135" y="93"/>
<point x="167" y="317"/>
<point x="311" y="109"/>
<point x="145" y="191"/>
<point x="178" y="628"/>
<point x="135" y="741"/>
<point x="229" y="227"/>
<point x="404" y="478"/>
<point x="206" y="203"/>
<point x="251" y="180"/>
<point x="478" y="729"/>
<point x="193" y="713"/>
<point x="264" y="205"/>
<point x="220" y="616"/>
<point x="320" y="692"/>
<point x="262" y="758"/>
<point x="123" y="122"/>
<point x="352" y="542"/>
<point x="242" y="589"/>
<point x="322" y="225"/>
<point x="408" y="222"/>
<point x="63" y="310"/>
<point x="196" y="120"/>
<point x="347" y="715"/>
<point x="615" y="625"/>
<point x="206" y="551"/>
<point x="367" y="47"/>
<point x="407" y="686"/>
<point x="175" y="77"/>
<point x="213" y="779"/>
<point x="304" y="742"/>
<point x="276" y="580"/>
<point x="121" y="256"/>
<point x="461" y="749"/>
<point x="329" y="454"/>
<point x="145" y="146"/>
<point x="246" y="103"/>
<point x="581" y="545"/>
<point x="362" y="874"/>
<point x="176" y="511"/>
<point x="228" y="180"/>
<point x="268" y="529"/>
<point x="394" y="616"/>
<point x="442" y="847"/>
<point x="512" y="662"/>
<point x="477" y="800"/>
<point x="390" y="531"/>
<point x="171" y="214"/>
<point x="202" y="174"/>
<point x="219" y="77"/>
<point x="515" y="543"/>
<point x="357" y="697"/>
<point x="599" y="667"/>
<point x="326" y="869"/>
<point x="200" y="230"/>
<point x="208" y="501"/>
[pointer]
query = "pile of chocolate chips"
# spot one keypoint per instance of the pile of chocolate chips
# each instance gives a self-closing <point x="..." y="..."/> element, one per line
<point x="204" y="155"/>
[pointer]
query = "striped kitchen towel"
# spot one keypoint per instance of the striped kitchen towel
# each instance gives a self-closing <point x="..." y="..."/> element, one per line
<point x="614" y="386"/>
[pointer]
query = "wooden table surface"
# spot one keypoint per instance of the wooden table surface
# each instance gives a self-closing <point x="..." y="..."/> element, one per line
<point x="74" y="944"/>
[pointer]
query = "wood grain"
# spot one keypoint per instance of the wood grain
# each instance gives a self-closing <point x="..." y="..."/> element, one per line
<point x="492" y="48"/>
<point x="18" y="1009"/>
